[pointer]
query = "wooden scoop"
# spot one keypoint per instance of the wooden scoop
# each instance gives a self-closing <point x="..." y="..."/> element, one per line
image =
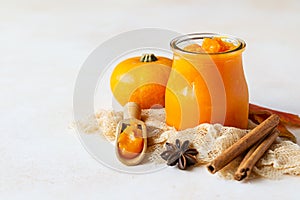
<point x="135" y="130"/>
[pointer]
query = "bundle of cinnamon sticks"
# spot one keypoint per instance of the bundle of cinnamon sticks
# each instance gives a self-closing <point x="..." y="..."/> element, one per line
<point x="272" y="123"/>
<point x="257" y="142"/>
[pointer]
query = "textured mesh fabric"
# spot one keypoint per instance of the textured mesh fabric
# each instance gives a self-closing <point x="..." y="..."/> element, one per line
<point x="282" y="158"/>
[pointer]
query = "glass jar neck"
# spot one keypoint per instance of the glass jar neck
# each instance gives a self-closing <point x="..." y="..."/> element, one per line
<point x="179" y="43"/>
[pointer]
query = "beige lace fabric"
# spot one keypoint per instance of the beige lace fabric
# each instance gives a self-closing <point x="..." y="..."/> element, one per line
<point x="283" y="157"/>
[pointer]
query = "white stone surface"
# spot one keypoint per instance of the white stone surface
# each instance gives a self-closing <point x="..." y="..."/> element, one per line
<point x="44" y="43"/>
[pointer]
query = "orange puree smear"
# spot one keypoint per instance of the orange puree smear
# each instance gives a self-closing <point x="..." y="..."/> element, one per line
<point x="211" y="45"/>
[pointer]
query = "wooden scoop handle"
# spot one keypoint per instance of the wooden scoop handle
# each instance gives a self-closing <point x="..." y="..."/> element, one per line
<point x="132" y="110"/>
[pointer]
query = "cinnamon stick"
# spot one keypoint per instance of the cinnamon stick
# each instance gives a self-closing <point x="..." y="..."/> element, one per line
<point x="283" y="131"/>
<point x="254" y="154"/>
<point x="286" y="118"/>
<point x="244" y="143"/>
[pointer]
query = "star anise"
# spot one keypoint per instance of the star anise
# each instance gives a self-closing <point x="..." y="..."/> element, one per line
<point x="181" y="154"/>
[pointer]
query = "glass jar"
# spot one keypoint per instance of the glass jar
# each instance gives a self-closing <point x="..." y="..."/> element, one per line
<point x="206" y="87"/>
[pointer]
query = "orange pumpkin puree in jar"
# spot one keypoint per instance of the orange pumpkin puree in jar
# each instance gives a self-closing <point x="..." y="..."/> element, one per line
<point x="207" y="82"/>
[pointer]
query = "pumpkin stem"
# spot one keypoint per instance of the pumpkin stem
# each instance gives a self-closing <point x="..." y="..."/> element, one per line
<point x="148" y="57"/>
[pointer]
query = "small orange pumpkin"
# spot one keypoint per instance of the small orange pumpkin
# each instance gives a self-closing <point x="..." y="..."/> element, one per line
<point x="142" y="80"/>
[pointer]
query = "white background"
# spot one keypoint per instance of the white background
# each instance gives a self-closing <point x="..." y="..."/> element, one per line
<point x="44" y="43"/>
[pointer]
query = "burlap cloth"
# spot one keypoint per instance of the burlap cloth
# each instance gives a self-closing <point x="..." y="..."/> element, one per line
<point x="283" y="157"/>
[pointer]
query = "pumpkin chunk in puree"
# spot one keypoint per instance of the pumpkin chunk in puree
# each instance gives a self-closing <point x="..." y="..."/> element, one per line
<point x="211" y="45"/>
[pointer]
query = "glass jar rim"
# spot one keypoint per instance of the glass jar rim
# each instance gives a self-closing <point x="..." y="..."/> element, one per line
<point x="192" y="36"/>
